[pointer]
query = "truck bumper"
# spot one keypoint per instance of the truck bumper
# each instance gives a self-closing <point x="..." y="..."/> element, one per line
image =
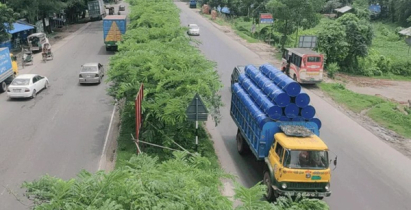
<point x="303" y="193"/>
<point x="304" y="81"/>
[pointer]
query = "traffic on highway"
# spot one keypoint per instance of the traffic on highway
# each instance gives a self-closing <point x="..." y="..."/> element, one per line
<point x="57" y="117"/>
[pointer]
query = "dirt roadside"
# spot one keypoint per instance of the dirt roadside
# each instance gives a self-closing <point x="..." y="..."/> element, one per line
<point x="399" y="91"/>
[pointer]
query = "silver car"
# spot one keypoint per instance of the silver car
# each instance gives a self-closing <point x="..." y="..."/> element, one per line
<point x="193" y="29"/>
<point x="91" y="73"/>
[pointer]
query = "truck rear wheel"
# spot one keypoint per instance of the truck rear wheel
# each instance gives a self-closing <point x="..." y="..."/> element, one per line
<point x="242" y="146"/>
<point x="270" y="194"/>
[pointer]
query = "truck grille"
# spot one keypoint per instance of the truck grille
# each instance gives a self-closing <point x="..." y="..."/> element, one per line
<point x="304" y="185"/>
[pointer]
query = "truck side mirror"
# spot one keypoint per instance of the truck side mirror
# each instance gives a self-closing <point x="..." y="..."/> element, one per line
<point x="335" y="163"/>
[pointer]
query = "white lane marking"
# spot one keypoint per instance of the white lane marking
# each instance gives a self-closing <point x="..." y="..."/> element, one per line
<point x="100" y="167"/>
<point x="54" y="116"/>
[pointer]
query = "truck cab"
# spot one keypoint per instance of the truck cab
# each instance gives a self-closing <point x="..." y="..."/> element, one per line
<point x="297" y="165"/>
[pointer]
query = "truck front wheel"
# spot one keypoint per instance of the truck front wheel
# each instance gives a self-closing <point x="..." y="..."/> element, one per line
<point x="242" y="146"/>
<point x="3" y="87"/>
<point x="270" y="195"/>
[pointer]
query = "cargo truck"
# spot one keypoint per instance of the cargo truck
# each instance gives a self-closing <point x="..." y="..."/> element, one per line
<point x="114" y="27"/>
<point x="96" y="9"/>
<point x="193" y="4"/>
<point x="296" y="159"/>
<point x="6" y="69"/>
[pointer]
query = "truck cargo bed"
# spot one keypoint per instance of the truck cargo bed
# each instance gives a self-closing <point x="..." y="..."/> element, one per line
<point x="259" y="133"/>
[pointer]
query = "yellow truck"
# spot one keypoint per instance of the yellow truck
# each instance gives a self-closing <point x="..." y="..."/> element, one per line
<point x="297" y="164"/>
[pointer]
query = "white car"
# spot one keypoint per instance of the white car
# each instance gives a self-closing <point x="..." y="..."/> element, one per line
<point x="193" y="29"/>
<point x="27" y="86"/>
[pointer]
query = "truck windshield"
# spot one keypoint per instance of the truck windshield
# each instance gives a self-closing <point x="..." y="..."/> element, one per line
<point x="306" y="159"/>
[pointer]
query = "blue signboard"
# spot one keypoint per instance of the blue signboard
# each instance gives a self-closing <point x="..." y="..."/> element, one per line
<point x="5" y="61"/>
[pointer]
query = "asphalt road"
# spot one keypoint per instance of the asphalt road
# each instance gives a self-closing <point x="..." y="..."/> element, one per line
<point x="370" y="174"/>
<point x="62" y="130"/>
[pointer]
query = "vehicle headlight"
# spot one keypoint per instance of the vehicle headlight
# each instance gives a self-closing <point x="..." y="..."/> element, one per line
<point x="284" y="185"/>
<point x="327" y="187"/>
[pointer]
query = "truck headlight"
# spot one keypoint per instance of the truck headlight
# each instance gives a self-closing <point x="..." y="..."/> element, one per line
<point x="284" y="185"/>
<point x="327" y="187"/>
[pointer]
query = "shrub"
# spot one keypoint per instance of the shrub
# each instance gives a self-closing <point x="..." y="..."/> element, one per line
<point x="332" y="68"/>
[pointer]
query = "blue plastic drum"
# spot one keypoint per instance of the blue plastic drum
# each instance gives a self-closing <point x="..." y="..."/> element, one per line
<point x="289" y="86"/>
<point x="307" y="112"/>
<point x="291" y="111"/>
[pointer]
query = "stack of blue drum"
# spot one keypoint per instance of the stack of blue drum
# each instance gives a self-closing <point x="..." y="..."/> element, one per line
<point x="269" y="94"/>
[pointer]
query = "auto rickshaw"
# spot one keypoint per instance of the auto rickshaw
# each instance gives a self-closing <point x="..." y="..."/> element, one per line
<point x="46" y="54"/>
<point x="27" y="57"/>
<point x="36" y="41"/>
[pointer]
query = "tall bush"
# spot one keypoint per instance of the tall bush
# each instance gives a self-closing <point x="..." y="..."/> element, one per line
<point x="156" y="52"/>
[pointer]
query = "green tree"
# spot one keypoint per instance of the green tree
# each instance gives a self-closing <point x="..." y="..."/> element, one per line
<point x="74" y="8"/>
<point x="47" y="7"/>
<point x="295" y="13"/>
<point x="331" y="40"/>
<point x="7" y="18"/>
<point x="26" y="8"/>
<point x="359" y="36"/>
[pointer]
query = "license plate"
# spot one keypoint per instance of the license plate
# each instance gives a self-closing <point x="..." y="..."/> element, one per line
<point x="88" y="76"/>
<point x="17" y="90"/>
<point x="321" y="194"/>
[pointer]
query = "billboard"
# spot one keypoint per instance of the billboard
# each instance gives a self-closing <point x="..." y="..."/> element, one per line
<point x="266" y="18"/>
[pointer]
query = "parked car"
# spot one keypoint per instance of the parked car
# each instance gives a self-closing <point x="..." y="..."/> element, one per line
<point x="193" y="29"/>
<point x="91" y="73"/>
<point x="27" y="86"/>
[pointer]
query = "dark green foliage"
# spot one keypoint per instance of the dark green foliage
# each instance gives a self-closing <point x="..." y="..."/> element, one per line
<point x="183" y="182"/>
<point x="156" y="52"/>
<point x="7" y="16"/>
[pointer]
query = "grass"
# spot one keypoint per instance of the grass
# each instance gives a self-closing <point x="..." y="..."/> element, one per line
<point x="236" y="25"/>
<point x="382" y="111"/>
<point x="387" y="115"/>
<point x="387" y="42"/>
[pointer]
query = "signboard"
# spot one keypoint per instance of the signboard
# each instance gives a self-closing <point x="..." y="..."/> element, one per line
<point x="266" y="18"/>
<point x="5" y="62"/>
<point x="197" y="111"/>
<point x="307" y="42"/>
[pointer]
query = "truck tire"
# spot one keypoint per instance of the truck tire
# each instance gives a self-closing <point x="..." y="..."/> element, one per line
<point x="270" y="194"/>
<point x="3" y="87"/>
<point x="242" y="146"/>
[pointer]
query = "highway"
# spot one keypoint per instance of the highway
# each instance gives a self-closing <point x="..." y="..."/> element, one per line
<point x="63" y="130"/>
<point x="370" y="174"/>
